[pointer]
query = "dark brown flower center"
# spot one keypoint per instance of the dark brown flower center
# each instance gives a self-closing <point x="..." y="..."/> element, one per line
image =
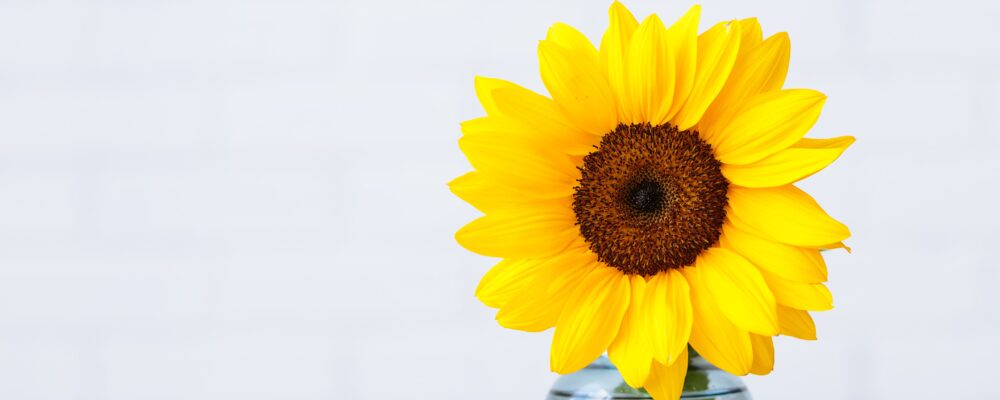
<point x="650" y="198"/>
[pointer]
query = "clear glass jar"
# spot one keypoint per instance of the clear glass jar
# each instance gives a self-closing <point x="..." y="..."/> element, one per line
<point x="600" y="380"/>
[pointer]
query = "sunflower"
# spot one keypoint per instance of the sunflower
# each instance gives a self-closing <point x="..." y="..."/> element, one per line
<point x="648" y="203"/>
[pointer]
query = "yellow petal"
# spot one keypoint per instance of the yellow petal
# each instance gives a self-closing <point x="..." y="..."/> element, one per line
<point x="763" y="354"/>
<point x="502" y="159"/>
<point x="712" y="335"/>
<point x="682" y="39"/>
<point x="538" y="306"/>
<point x="523" y="232"/>
<point x="784" y="214"/>
<point x="575" y="80"/>
<point x="487" y="195"/>
<point x="649" y="74"/>
<point x="834" y="246"/>
<point x="769" y="68"/>
<point x="840" y="142"/>
<point x="790" y="165"/>
<point x="484" y="92"/>
<point x="506" y="279"/>
<point x="717" y="50"/>
<point x="531" y="116"/>
<point x="751" y="34"/>
<point x="666" y="381"/>
<point x="668" y="314"/>
<point x="570" y="38"/>
<point x="474" y="189"/>
<point x="801" y="296"/>
<point x="759" y="68"/>
<point x="614" y="51"/>
<point x="790" y="262"/>
<point x="630" y="351"/>
<point x="770" y="122"/>
<point x="796" y="323"/>
<point x="569" y="142"/>
<point x="590" y="321"/>
<point x="738" y="290"/>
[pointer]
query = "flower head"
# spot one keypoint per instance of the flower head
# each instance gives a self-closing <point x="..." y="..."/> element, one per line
<point x="649" y="203"/>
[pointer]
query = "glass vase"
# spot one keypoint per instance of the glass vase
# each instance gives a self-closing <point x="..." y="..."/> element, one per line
<point x="601" y="380"/>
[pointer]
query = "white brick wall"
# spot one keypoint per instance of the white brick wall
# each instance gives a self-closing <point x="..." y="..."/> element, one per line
<point x="225" y="199"/>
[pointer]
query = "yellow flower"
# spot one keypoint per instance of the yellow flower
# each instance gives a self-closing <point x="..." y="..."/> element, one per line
<point x="649" y="203"/>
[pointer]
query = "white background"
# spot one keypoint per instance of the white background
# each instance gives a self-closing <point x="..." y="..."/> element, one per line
<point x="246" y="199"/>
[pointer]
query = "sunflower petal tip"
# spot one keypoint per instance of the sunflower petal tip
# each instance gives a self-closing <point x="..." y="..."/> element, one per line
<point x="455" y="181"/>
<point x="810" y="94"/>
<point x="553" y="363"/>
<point x="460" y="236"/>
<point x="811" y="97"/>
<point x="552" y="31"/>
<point x="652" y="19"/>
<point x="482" y="80"/>
<point x="839" y="245"/>
<point x="618" y="10"/>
